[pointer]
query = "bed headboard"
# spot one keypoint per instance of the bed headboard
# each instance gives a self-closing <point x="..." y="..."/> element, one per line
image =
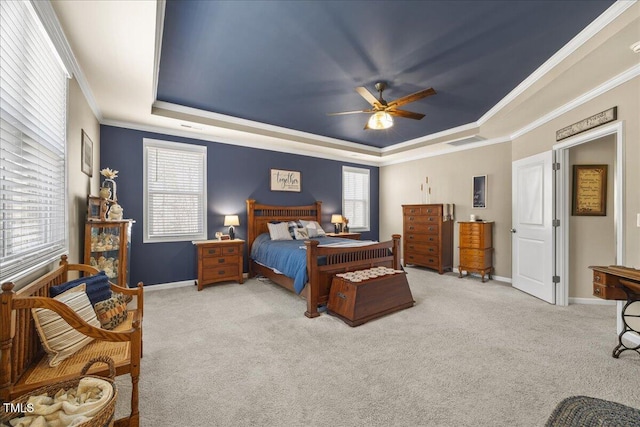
<point x="259" y="215"/>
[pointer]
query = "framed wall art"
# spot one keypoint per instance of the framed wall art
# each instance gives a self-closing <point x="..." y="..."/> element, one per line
<point x="589" y="190"/>
<point x="284" y="180"/>
<point x="96" y="208"/>
<point x="86" y="154"/>
<point x="479" y="188"/>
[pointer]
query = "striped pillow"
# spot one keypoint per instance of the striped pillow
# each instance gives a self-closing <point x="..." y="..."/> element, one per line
<point x="59" y="339"/>
<point x="279" y="231"/>
<point x="112" y="312"/>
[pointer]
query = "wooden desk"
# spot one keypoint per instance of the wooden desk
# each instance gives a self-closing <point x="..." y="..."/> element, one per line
<point x="619" y="283"/>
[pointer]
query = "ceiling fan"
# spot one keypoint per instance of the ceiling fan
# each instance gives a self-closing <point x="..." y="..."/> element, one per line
<point x="383" y="110"/>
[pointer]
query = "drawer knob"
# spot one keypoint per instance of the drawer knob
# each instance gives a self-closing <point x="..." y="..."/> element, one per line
<point x="212" y="251"/>
<point x="220" y="260"/>
<point x="597" y="278"/>
<point x="596" y="291"/>
<point x="220" y="272"/>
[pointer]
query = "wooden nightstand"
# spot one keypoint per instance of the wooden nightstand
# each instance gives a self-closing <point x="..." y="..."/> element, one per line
<point x="219" y="261"/>
<point x="349" y="235"/>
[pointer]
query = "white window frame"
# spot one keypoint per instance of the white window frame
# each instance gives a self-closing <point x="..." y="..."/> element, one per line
<point x="29" y="243"/>
<point x="181" y="147"/>
<point x="367" y="219"/>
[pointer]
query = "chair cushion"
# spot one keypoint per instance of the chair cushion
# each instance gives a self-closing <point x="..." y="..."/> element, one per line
<point x="97" y="287"/>
<point x="59" y="339"/>
<point x="112" y="312"/>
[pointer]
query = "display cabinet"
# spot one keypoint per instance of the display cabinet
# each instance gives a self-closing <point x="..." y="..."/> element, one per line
<point x="107" y="246"/>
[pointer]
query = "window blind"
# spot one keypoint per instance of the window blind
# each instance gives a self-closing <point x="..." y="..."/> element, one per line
<point x="355" y="197"/>
<point x="33" y="105"/>
<point x="175" y="191"/>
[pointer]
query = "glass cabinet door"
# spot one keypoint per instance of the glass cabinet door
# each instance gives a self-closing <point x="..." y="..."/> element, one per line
<point x="107" y="246"/>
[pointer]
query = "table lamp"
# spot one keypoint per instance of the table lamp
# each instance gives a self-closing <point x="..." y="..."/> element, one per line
<point x="336" y="220"/>
<point x="231" y="221"/>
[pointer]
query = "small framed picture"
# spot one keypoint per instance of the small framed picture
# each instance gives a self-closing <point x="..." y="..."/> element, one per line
<point x="96" y="208"/>
<point x="86" y="154"/>
<point x="284" y="180"/>
<point x="479" y="192"/>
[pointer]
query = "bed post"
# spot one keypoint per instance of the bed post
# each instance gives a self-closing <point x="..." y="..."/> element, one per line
<point x="250" y="231"/>
<point x="312" y="272"/>
<point x="396" y="251"/>
<point x="319" y="211"/>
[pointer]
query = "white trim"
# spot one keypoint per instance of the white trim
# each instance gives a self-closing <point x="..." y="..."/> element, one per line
<point x="591" y="301"/>
<point x="621" y="78"/>
<point x="169" y="285"/>
<point x="50" y="21"/>
<point x="591" y="30"/>
<point x="431" y="137"/>
<point x="160" y="11"/>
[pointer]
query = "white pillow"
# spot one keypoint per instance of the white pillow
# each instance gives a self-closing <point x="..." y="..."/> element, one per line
<point x="301" y="233"/>
<point x="59" y="339"/>
<point x="279" y="231"/>
<point x="315" y="229"/>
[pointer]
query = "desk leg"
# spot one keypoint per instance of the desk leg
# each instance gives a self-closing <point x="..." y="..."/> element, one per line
<point x="633" y="315"/>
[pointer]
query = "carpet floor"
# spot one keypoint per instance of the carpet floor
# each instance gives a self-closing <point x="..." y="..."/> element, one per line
<point x="467" y="354"/>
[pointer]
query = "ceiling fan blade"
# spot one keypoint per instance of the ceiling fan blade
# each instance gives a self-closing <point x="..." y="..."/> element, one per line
<point x="367" y="95"/>
<point x="406" y="114"/>
<point x="412" y="98"/>
<point x="350" y="112"/>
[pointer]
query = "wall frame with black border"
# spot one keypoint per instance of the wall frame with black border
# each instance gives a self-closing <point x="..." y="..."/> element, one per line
<point x="589" y="190"/>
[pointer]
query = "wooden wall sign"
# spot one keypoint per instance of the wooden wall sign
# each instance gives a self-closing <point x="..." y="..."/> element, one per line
<point x="589" y="190"/>
<point x="589" y="123"/>
<point x="284" y="180"/>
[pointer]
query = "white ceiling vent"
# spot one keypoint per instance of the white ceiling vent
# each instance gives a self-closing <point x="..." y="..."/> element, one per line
<point x="465" y="141"/>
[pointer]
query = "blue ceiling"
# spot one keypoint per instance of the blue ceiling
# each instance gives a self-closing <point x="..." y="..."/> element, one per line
<point x="290" y="63"/>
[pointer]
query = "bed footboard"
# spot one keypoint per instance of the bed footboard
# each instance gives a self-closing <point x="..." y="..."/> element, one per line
<point x="340" y="260"/>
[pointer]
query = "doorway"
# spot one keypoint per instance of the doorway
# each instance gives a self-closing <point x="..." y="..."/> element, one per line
<point x="604" y="146"/>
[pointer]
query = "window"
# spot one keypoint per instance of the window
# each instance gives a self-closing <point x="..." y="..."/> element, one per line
<point x="33" y="105"/>
<point x="355" y="197"/>
<point x="175" y="191"/>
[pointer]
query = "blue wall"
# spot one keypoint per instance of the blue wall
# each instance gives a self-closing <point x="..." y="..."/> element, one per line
<point x="234" y="175"/>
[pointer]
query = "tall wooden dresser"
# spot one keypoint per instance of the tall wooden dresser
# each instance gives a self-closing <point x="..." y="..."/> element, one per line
<point x="428" y="236"/>
<point x="476" y="248"/>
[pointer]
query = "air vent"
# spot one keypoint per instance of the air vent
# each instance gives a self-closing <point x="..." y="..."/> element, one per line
<point x="466" y="141"/>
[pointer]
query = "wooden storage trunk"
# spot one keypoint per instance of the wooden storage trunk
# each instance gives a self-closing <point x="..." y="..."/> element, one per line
<point x="359" y="302"/>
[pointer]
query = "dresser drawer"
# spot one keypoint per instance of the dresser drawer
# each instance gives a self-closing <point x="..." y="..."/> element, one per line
<point x="213" y="262"/>
<point x="220" y="272"/>
<point x="435" y="210"/>
<point x="420" y="238"/>
<point x="432" y="261"/>
<point x="476" y="258"/>
<point x="429" y="228"/>
<point x="210" y="252"/>
<point x="421" y="248"/>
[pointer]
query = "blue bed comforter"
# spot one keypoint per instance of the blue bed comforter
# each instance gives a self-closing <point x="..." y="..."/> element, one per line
<point x="288" y="257"/>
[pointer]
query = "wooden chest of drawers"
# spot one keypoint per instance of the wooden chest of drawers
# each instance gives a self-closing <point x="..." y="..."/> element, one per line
<point x="219" y="261"/>
<point x="476" y="248"/>
<point x="428" y="236"/>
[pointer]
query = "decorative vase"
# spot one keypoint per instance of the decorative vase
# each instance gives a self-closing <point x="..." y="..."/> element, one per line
<point x="105" y="192"/>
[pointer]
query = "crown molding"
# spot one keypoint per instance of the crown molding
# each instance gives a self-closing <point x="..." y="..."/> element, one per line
<point x="621" y="78"/>
<point x="591" y="30"/>
<point x="50" y="21"/>
<point x="323" y="153"/>
<point x="160" y="11"/>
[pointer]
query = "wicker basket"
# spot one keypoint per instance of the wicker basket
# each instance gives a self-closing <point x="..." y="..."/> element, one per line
<point x="103" y="418"/>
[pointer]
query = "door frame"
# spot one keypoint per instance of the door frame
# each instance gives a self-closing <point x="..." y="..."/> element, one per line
<point x="563" y="203"/>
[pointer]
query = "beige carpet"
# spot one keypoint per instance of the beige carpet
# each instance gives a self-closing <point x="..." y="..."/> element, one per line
<point x="468" y="354"/>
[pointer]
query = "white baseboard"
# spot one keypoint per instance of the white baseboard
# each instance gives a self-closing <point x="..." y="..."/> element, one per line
<point x="591" y="301"/>
<point x="181" y="284"/>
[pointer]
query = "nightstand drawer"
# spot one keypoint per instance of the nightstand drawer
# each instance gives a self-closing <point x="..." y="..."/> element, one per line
<point x="210" y="252"/>
<point x="213" y="262"/>
<point x="221" y="272"/>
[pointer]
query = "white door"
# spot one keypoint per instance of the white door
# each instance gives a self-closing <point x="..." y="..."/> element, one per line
<point x="532" y="229"/>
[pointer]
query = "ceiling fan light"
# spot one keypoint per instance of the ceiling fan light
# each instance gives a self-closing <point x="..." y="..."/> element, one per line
<point x="380" y="120"/>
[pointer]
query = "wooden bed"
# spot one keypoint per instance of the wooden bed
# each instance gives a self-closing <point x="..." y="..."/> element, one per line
<point x="338" y="260"/>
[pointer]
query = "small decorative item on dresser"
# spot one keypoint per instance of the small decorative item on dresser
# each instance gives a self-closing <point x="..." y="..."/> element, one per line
<point x="96" y="208"/>
<point x="231" y="221"/>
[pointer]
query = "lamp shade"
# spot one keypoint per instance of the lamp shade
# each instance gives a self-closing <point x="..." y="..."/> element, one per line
<point x="336" y="219"/>
<point x="380" y="120"/>
<point x="231" y="220"/>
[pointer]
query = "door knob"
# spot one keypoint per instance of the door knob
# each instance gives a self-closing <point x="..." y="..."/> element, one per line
<point x="513" y="230"/>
